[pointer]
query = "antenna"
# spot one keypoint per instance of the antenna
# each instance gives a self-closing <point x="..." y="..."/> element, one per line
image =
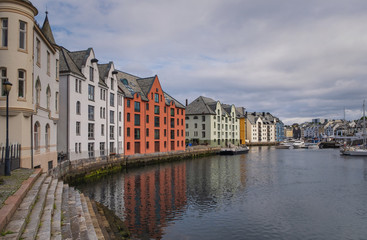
<point x="46" y="11"/>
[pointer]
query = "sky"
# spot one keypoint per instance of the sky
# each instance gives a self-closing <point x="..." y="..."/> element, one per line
<point x="296" y="59"/>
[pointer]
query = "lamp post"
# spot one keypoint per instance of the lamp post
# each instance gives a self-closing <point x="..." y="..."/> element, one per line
<point x="6" y="88"/>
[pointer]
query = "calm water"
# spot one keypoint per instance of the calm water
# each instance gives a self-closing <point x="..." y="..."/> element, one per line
<point x="266" y="194"/>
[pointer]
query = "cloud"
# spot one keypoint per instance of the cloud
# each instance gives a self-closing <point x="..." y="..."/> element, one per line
<point x="296" y="59"/>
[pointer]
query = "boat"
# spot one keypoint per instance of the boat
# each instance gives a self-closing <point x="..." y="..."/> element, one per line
<point x="299" y="144"/>
<point x="234" y="150"/>
<point x="329" y="145"/>
<point x="284" y="145"/>
<point x="357" y="150"/>
<point x="312" y="145"/>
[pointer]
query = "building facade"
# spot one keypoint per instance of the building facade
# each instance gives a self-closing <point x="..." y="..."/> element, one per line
<point x="211" y="123"/>
<point x="91" y="109"/>
<point x="29" y="60"/>
<point x="261" y="127"/>
<point x="153" y="120"/>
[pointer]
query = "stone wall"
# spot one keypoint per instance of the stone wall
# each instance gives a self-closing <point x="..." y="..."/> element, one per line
<point x="78" y="168"/>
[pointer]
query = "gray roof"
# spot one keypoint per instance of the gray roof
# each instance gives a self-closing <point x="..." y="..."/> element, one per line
<point x="169" y="99"/>
<point x="46" y="29"/>
<point x="146" y="84"/>
<point x="201" y="106"/>
<point x="80" y="57"/>
<point x="67" y="63"/>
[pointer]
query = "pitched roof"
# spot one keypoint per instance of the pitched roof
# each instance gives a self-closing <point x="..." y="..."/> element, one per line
<point x="169" y="99"/>
<point x="46" y="29"/>
<point x="67" y="64"/>
<point x="200" y="106"/>
<point x="146" y="84"/>
<point x="80" y="57"/>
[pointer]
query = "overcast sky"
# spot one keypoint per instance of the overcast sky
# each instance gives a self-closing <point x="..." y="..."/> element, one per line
<point x="296" y="59"/>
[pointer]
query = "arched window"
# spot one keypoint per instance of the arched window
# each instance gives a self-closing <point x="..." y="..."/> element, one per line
<point x="21" y="83"/>
<point x="78" y="108"/>
<point x="38" y="91"/>
<point x="48" y="95"/>
<point x="47" y="136"/>
<point x="3" y="79"/>
<point x="37" y="133"/>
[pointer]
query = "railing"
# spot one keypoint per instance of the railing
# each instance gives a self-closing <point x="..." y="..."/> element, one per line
<point x="14" y="157"/>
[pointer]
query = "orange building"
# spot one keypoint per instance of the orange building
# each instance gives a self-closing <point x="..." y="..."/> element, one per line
<point x="153" y="120"/>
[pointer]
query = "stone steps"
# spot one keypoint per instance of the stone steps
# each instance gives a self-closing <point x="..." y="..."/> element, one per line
<point x="53" y="210"/>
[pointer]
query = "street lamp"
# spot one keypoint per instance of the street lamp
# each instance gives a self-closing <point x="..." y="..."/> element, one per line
<point x="6" y="89"/>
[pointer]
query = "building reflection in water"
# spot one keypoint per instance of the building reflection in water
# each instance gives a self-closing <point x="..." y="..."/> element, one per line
<point x="154" y="197"/>
<point x="150" y="198"/>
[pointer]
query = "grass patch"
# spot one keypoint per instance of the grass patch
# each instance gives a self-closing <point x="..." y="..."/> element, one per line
<point x="1" y="180"/>
<point x="6" y="233"/>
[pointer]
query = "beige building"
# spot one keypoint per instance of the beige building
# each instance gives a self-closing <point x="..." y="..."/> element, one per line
<point x="29" y="60"/>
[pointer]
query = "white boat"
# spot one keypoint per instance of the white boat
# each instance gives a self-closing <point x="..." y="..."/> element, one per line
<point x="357" y="150"/>
<point x="312" y="145"/>
<point x="283" y="145"/>
<point x="299" y="144"/>
<point x="234" y="150"/>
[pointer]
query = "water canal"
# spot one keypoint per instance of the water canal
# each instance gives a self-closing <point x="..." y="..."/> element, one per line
<point x="266" y="194"/>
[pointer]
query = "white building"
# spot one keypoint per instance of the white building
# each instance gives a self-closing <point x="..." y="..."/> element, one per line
<point x="260" y="128"/>
<point x="91" y="107"/>
<point x="210" y="122"/>
<point x="29" y="60"/>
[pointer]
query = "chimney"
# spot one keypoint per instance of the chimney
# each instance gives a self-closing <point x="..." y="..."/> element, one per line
<point x="186" y="102"/>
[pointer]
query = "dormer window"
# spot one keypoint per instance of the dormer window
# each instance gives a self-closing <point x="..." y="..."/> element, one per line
<point x="112" y="84"/>
<point x="91" y="73"/>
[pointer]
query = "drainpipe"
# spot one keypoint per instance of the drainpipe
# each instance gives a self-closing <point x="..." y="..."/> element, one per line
<point x="32" y="141"/>
<point x="67" y="117"/>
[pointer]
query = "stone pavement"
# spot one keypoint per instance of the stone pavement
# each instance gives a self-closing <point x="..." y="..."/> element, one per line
<point x="46" y="208"/>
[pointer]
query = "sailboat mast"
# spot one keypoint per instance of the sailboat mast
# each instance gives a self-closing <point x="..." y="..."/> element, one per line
<point x="364" y="125"/>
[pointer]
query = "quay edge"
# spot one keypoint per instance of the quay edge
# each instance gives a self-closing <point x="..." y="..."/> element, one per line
<point x="93" y="168"/>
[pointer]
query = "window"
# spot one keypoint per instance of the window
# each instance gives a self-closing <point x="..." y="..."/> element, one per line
<point x="77" y="128"/>
<point x="203" y="118"/>
<point x="147" y="118"/>
<point x="128" y="132"/>
<point x="137" y="106"/>
<point x="91" y="92"/>
<point x="147" y="132"/>
<point x="196" y="125"/>
<point x="112" y="99"/>
<point x="80" y="147"/>
<point x="4" y="32"/>
<point x="172" y="122"/>
<point x="128" y="146"/>
<point x="21" y="84"/>
<point x="182" y="122"/>
<point x="112" y="132"/>
<point x="147" y="106"/>
<point x="76" y="147"/>
<point x="22" y="35"/>
<point x="165" y="109"/>
<point x="156" y="134"/>
<point x="136" y="133"/>
<point x="178" y="122"/>
<point x="48" y="63"/>
<point x="178" y="133"/>
<point x="102" y="129"/>
<point x="103" y="94"/>
<point x="187" y="125"/>
<point x="112" y="117"/>
<point x="57" y="69"/>
<point x="156" y="109"/>
<point x="172" y="112"/>
<point x="156" y="121"/>
<point x="172" y="134"/>
<point x="77" y="108"/>
<point x="120" y="131"/>
<point x="165" y="120"/>
<point x="3" y="79"/>
<point x="78" y="85"/>
<point x="120" y="116"/>
<point x="38" y="91"/>
<point x="48" y="96"/>
<point x="36" y="135"/>
<point x="156" y="97"/>
<point x="38" y="52"/>
<point x="165" y="132"/>
<point x="112" y="147"/>
<point x="47" y="136"/>
<point x="128" y="117"/>
<point x="90" y="130"/>
<point x="178" y="111"/>
<point x="203" y="126"/>
<point x="147" y="145"/>
<point x="91" y="74"/>
<point x="90" y="112"/>
<point x="102" y="148"/>
<point x="137" y="120"/>
<point x="128" y="103"/>
<point x="91" y="150"/>
<point x="112" y="84"/>
<point x="203" y="134"/>
<point x="57" y="101"/>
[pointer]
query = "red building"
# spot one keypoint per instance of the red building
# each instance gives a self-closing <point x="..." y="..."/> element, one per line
<point x="153" y="120"/>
